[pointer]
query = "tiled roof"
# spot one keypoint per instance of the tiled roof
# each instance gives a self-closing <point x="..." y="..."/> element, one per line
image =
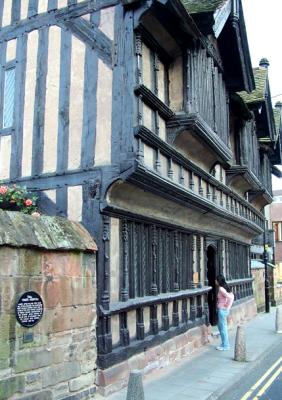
<point x="277" y="120"/>
<point x="257" y="95"/>
<point x="202" y="6"/>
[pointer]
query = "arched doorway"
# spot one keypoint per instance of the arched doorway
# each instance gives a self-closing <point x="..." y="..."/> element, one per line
<point x="211" y="275"/>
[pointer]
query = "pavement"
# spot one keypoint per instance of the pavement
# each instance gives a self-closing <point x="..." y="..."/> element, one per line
<point x="209" y="373"/>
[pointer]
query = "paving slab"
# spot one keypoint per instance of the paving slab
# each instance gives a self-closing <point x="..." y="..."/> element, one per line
<point x="208" y="373"/>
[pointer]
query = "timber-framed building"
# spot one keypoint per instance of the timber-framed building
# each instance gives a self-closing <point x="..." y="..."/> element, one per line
<point x="133" y="117"/>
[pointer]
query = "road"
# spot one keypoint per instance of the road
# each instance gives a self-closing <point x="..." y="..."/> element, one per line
<point x="263" y="383"/>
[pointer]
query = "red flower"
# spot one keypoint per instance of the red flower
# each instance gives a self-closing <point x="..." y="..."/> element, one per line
<point x="3" y="189"/>
<point x="28" y="202"/>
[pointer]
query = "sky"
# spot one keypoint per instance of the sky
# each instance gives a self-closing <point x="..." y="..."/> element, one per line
<point x="264" y="30"/>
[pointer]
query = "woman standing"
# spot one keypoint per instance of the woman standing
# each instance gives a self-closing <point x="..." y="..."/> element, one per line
<point x="224" y="302"/>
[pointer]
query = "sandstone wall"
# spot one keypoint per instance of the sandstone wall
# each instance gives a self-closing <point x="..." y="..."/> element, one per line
<point x="56" y="358"/>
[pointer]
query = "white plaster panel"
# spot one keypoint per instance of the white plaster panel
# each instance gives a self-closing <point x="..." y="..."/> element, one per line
<point x="130" y="198"/>
<point x="131" y="323"/>
<point x="161" y="82"/>
<point x="86" y="17"/>
<point x="51" y="194"/>
<point x="176" y="84"/>
<point x="104" y="115"/>
<point x="147" y="117"/>
<point x="11" y="50"/>
<point x="7" y="13"/>
<point x="164" y="165"/>
<point x="75" y="203"/>
<point x="170" y="309"/>
<point x="30" y="83"/>
<point x="24" y="9"/>
<point x="62" y="3"/>
<point x="76" y="103"/>
<point x="149" y="156"/>
<point x="196" y="183"/>
<point x="115" y="329"/>
<point x="186" y="178"/>
<point x="52" y="101"/>
<point x="107" y="22"/>
<point x="146" y="316"/>
<point x="42" y="6"/>
<point x="204" y="186"/>
<point x="162" y="129"/>
<point x="146" y="66"/>
<point x="159" y="314"/>
<point x="176" y="172"/>
<point x="5" y="157"/>
<point x="114" y="258"/>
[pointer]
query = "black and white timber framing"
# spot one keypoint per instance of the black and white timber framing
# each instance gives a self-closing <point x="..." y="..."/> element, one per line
<point x="135" y="129"/>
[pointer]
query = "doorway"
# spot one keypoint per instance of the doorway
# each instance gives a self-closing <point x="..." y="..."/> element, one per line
<point x="211" y="275"/>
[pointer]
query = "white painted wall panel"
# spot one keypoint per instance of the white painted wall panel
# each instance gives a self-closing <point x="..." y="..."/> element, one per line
<point x="107" y="22"/>
<point x="62" y="3"/>
<point x="162" y="129"/>
<point x="51" y="194"/>
<point x="104" y="115"/>
<point x="24" y="9"/>
<point x="76" y="103"/>
<point x="11" y="50"/>
<point x="52" y="101"/>
<point x="146" y="66"/>
<point x="42" y="6"/>
<point x="75" y="203"/>
<point x="7" y="13"/>
<point x="30" y="83"/>
<point x="5" y="157"/>
<point x="149" y="156"/>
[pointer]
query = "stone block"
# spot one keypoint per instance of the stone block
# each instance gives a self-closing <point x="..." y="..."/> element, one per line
<point x="65" y="318"/>
<point x="32" y="359"/>
<point x="40" y="395"/>
<point x="61" y="264"/>
<point x="180" y="341"/>
<point x="113" y="374"/>
<point x="10" y="259"/>
<point x="5" y="353"/>
<point x="9" y="387"/>
<point x="137" y="362"/>
<point x="30" y="262"/>
<point x="33" y="377"/>
<point x="83" y="290"/>
<point x="60" y="373"/>
<point x="83" y="381"/>
<point x="88" y="366"/>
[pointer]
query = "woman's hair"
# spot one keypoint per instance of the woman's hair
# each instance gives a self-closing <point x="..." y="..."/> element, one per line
<point x="222" y="282"/>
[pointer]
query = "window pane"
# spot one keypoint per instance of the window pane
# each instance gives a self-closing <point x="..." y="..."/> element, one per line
<point x="9" y="95"/>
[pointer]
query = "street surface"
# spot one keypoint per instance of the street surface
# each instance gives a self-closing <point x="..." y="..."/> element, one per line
<point x="264" y="383"/>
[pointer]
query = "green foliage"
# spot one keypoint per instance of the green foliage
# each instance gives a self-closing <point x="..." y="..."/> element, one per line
<point x="17" y="198"/>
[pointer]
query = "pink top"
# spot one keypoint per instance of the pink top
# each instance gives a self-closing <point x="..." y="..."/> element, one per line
<point x="224" y="299"/>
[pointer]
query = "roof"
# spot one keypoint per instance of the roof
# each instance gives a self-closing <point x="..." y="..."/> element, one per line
<point x="277" y="120"/>
<point x="202" y="6"/>
<point x="53" y="233"/>
<point x="257" y="95"/>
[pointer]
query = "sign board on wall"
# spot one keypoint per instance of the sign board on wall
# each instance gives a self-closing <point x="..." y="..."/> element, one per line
<point x="29" y="309"/>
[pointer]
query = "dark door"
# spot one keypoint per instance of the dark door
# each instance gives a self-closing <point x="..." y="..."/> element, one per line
<point x="211" y="275"/>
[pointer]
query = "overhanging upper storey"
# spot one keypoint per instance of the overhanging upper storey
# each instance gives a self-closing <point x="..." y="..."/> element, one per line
<point x="259" y="101"/>
<point x="276" y="153"/>
<point x="224" y="21"/>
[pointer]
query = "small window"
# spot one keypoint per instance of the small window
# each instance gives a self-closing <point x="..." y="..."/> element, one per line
<point x="9" y="98"/>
